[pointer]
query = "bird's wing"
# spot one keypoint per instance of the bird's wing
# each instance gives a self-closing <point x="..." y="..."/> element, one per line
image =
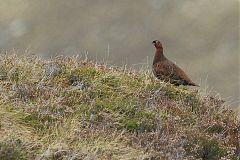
<point x="168" y="71"/>
<point x="181" y="76"/>
<point x="163" y="70"/>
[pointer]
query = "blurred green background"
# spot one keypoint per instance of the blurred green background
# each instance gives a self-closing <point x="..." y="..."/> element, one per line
<point x="201" y="36"/>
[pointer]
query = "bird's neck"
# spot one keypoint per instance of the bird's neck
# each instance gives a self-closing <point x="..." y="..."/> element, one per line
<point x="158" y="55"/>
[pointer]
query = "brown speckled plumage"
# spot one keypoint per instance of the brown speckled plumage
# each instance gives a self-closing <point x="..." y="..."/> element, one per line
<point x="166" y="70"/>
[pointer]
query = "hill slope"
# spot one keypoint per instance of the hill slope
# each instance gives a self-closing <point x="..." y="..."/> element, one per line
<point x="66" y="108"/>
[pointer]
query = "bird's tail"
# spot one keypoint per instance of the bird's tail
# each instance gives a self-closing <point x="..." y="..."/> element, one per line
<point x="194" y="84"/>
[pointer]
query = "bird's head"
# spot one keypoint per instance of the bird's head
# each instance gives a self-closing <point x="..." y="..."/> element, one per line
<point x="157" y="44"/>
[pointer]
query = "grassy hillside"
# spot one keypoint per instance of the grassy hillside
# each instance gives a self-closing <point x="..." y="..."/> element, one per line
<point x="67" y="108"/>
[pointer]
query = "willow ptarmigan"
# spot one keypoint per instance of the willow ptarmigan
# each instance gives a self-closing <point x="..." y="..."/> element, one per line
<point x="166" y="70"/>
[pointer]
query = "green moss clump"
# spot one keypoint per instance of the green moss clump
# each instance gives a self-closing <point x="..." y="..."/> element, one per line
<point x="210" y="149"/>
<point x="12" y="150"/>
<point x="33" y="121"/>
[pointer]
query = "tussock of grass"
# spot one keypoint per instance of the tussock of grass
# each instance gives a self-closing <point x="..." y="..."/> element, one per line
<point x="66" y="108"/>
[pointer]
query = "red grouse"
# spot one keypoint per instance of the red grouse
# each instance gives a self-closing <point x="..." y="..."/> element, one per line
<point x="166" y="70"/>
